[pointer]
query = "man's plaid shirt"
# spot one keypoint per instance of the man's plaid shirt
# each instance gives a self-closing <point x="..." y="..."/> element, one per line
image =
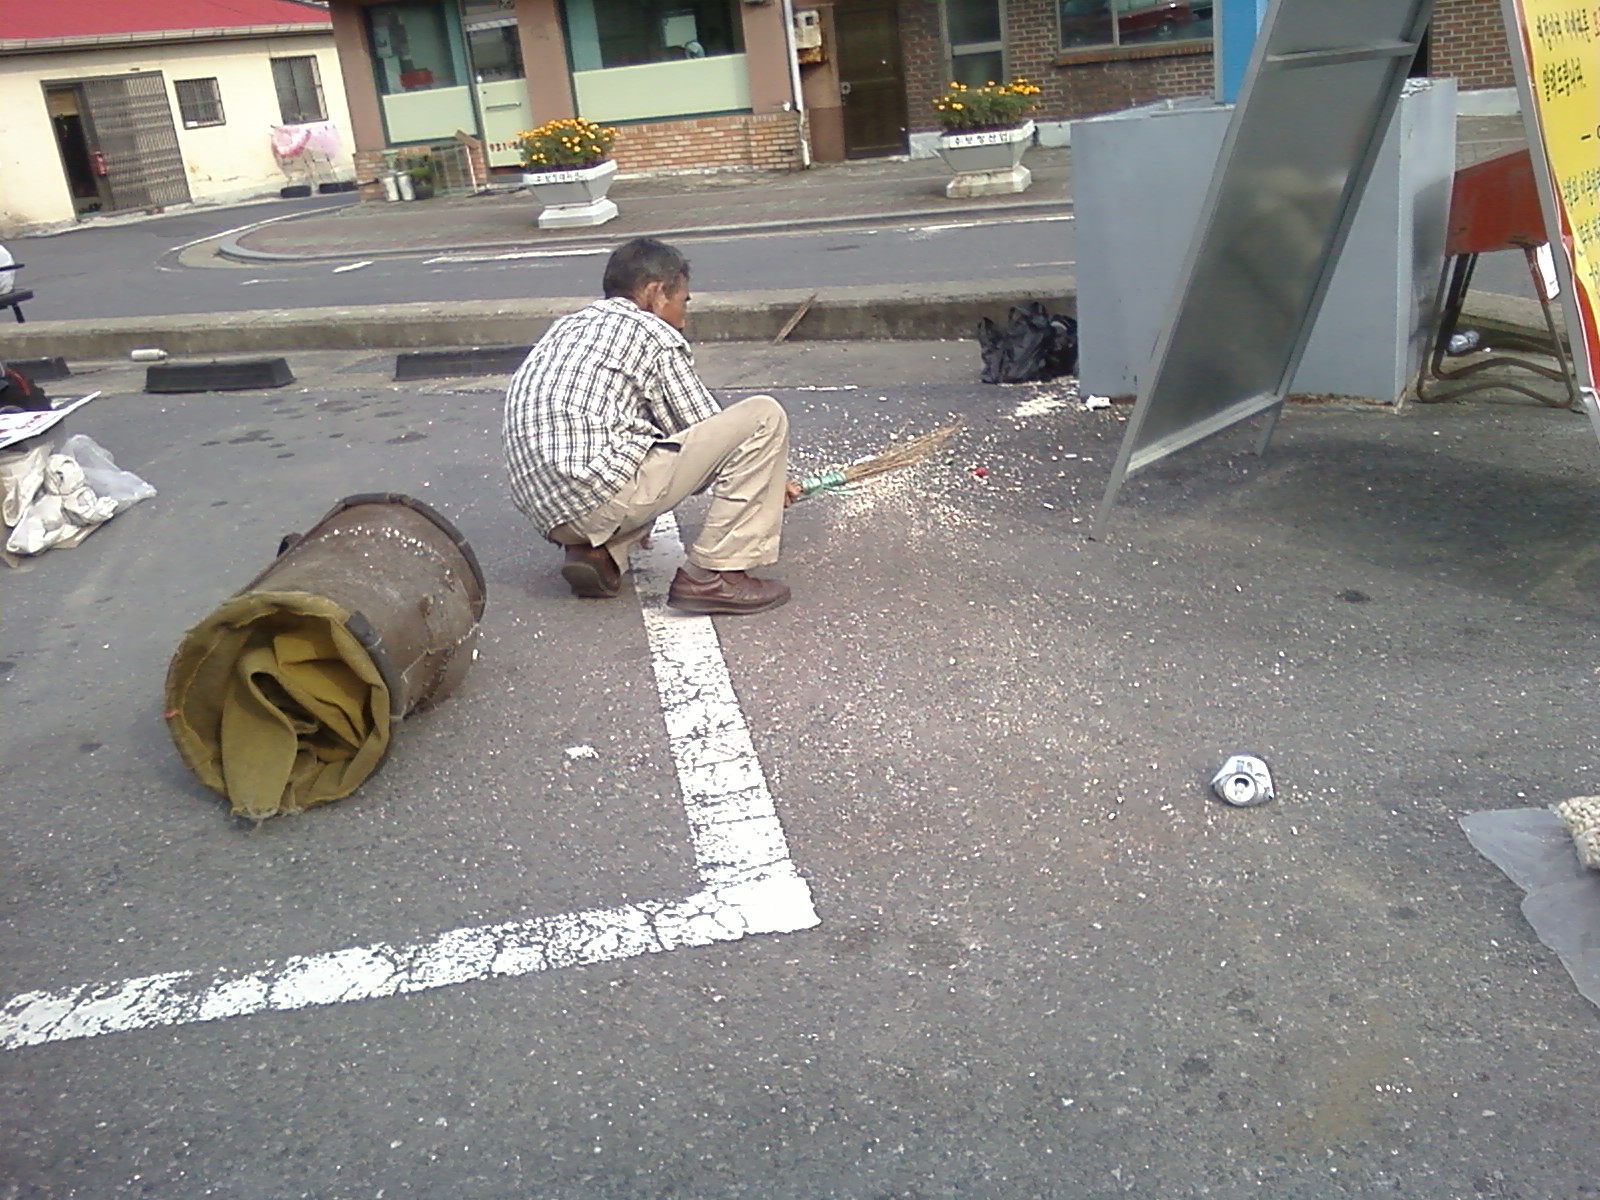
<point x="603" y="386"/>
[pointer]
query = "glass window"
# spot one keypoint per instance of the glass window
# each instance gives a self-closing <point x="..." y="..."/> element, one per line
<point x="299" y="85"/>
<point x="975" y="70"/>
<point x="624" y="33"/>
<point x="1132" y="22"/>
<point x="412" y="49"/>
<point x="496" y="53"/>
<point x="972" y="21"/>
<point x="492" y="43"/>
<point x="199" y="102"/>
<point x="974" y="31"/>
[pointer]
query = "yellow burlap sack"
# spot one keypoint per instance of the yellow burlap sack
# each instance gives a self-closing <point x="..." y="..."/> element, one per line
<point x="274" y="703"/>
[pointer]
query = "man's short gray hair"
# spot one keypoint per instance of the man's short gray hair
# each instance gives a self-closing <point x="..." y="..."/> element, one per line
<point x="643" y="261"/>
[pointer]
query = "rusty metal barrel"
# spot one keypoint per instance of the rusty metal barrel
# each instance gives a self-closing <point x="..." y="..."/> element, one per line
<point x="286" y="695"/>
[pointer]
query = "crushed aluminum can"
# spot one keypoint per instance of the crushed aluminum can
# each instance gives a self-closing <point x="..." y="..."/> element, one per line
<point x="1243" y="782"/>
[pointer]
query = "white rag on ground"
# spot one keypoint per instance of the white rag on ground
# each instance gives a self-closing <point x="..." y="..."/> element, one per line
<point x="59" y="499"/>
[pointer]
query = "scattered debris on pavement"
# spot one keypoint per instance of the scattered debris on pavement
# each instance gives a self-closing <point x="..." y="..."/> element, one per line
<point x="897" y="456"/>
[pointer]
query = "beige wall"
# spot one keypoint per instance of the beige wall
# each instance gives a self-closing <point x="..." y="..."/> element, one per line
<point x="544" y="59"/>
<point x="819" y="83"/>
<point x="355" y="63"/>
<point x="232" y="161"/>
<point x="766" y="47"/>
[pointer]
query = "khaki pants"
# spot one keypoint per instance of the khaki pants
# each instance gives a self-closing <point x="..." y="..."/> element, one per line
<point x="741" y="456"/>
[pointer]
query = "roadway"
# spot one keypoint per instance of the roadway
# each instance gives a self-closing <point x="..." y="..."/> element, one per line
<point x="169" y="265"/>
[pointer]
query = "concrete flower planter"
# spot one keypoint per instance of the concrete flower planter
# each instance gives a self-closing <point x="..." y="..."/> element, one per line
<point x="987" y="163"/>
<point x="573" y="198"/>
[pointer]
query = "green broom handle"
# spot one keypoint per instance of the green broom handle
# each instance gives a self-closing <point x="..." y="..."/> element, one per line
<point x="822" y="481"/>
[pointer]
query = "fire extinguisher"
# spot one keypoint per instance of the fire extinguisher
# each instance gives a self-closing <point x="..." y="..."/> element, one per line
<point x="97" y="163"/>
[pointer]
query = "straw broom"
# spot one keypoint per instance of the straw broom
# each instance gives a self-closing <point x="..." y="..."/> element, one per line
<point x="902" y="454"/>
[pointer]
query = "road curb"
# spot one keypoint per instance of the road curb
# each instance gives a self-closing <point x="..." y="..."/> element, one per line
<point x="898" y="313"/>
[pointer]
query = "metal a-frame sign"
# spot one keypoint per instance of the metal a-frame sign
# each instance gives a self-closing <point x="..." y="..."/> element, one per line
<point x="1323" y="85"/>
<point x="1555" y="53"/>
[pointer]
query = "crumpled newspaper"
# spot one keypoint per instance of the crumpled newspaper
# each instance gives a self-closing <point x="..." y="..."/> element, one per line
<point x="55" y="500"/>
<point x="1582" y="817"/>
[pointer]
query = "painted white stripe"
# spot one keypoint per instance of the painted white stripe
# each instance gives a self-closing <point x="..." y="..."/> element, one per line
<point x="213" y="237"/>
<point x="995" y="220"/>
<point x="355" y="266"/>
<point x="750" y="884"/>
<point x="516" y="255"/>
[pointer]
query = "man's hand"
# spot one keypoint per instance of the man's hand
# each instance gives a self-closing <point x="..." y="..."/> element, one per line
<point x="791" y="492"/>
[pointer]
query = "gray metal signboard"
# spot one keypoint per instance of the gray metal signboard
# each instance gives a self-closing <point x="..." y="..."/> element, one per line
<point x="1323" y="84"/>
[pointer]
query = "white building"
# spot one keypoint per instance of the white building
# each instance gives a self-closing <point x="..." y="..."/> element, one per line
<point x="137" y="107"/>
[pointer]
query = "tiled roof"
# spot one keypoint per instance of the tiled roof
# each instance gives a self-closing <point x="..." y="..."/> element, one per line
<point x="31" y="19"/>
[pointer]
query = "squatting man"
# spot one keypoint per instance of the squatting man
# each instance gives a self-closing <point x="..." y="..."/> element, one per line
<point x="607" y="426"/>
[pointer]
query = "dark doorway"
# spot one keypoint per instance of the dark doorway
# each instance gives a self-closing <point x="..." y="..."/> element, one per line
<point x="871" y="77"/>
<point x="74" y="142"/>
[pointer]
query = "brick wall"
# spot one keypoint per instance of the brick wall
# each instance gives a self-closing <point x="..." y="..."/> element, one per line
<point x="926" y="67"/>
<point x="760" y="141"/>
<point x="1469" y="43"/>
<point x="1084" y="85"/>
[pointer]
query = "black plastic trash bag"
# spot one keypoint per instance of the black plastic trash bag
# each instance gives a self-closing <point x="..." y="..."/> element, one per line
<point x="1035" y="344"/>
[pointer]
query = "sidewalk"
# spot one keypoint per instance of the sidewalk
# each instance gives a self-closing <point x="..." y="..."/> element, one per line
<point x="828" y="194"/>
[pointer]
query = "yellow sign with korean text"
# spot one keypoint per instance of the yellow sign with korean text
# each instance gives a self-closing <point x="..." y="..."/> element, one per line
<point x="1559" y="45"/>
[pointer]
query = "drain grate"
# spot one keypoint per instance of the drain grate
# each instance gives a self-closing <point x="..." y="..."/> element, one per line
<point x="475" y="360"/>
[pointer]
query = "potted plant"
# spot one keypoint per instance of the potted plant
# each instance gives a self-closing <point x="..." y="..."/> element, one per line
<point x="424" y="173"/>
<point x="985" y="131"/>
<point x="567" y="165"/>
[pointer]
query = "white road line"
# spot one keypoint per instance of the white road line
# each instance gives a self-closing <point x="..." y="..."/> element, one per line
<point x="515" y="255"/>
<point x="355" y="266"/>
<point x="212" y="237"/>
<point x="990" y="221"/>
<point x="750" y="885"/>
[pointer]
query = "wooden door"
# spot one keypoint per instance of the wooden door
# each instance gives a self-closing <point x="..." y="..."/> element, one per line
<point x="871" y="77"/>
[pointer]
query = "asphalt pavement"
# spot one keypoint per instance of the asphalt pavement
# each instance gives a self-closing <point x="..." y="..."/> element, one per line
<point x="1014" y="946"/>
<point x="1041" y="960"/>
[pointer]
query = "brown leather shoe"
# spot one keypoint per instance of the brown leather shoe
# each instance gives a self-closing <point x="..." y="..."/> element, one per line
<point x="727" y="593"/>
<point x="592" y="572"/>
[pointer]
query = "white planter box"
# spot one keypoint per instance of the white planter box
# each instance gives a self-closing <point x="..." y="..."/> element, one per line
<point x="573" y="198"/>
<point x="988" y="163"/>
